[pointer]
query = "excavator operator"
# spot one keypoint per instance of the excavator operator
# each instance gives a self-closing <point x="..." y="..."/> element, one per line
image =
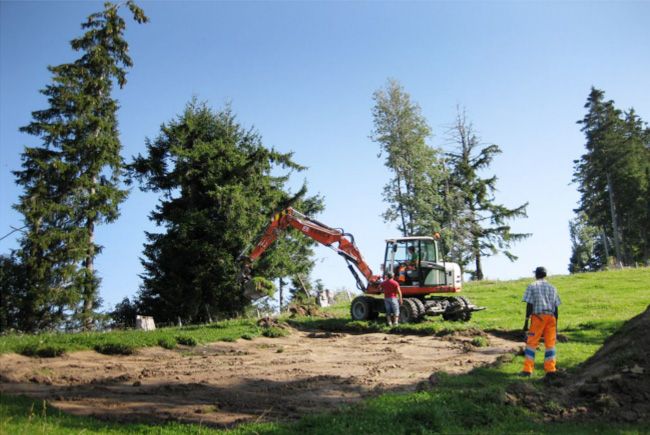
<point x="407" y="271"/>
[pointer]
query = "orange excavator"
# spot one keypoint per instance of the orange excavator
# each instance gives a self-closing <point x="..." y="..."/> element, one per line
<point x="415" y="261"/>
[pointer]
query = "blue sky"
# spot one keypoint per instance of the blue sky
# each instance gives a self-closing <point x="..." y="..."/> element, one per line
<point x="303" y="74"/>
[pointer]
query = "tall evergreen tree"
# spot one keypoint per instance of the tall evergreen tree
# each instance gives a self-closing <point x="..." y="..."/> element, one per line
<point x="71" y="182"/>
<point x="219" y="186"/>
<point x="635" y="192"/>
<point x="481" y="220"/>
<point x="612" y="177"/>
<point x="414" y="193"/>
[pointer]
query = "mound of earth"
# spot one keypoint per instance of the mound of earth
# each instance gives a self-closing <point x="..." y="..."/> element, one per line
<point x="271" y="322"/>
<point x="616" y="380"/>
<point x="303" y="310"/>
<point x="614" y="384"/>
<point x="226" y="383"/>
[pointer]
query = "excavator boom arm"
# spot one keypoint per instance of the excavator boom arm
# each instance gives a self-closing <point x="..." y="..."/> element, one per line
<point x="342" y="243"/>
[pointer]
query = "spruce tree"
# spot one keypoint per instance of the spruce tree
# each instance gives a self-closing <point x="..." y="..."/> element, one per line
<point x="612" y="177"/>
<point x="483" y="230"/>
<point x="219" y="187"/>
<point x="72" y="181"/>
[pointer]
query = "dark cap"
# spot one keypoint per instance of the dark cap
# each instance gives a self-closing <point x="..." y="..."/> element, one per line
<point x="540" y="271"/>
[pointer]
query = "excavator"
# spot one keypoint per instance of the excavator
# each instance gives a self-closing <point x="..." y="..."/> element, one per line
<point x="416" y="262"/>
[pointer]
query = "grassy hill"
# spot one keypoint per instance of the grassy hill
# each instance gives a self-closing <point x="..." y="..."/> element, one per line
<point x="594" y="306"/>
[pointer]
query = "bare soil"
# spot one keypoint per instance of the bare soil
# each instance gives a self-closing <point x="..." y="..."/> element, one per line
<point x="223" y="384"/>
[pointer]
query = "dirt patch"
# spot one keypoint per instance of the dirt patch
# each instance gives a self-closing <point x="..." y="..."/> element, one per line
<point x="223" y="384"/>
<point x="612" y="385"/>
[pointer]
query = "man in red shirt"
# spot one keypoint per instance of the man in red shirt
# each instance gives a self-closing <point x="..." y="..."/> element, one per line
<point x="391" y="292"/>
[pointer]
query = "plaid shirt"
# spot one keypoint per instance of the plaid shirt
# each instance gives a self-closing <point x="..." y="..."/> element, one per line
<point x="543" y="296"/>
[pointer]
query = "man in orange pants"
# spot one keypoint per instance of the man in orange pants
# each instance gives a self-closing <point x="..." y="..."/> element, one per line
<point x="542" y="307"/>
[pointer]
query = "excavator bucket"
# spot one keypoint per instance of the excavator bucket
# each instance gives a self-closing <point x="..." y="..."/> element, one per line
<point x="254" y="288"/>
<point x="252" y="291"/>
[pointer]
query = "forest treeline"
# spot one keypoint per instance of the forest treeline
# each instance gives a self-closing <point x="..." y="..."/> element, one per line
<point x="218" y="184"/>
<point x="612" y="223"/>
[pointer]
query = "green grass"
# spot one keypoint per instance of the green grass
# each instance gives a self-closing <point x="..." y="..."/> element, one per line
<point x="229" y="329"/>
<point x="24" y="416"/>
<point x="594" y="306"/>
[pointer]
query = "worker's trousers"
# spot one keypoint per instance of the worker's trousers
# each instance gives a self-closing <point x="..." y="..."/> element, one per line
<point x="541" y="325"/>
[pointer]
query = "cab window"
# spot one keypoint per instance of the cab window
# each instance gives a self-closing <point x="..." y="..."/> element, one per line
<point x="429" y="251"/>
<point x="399" y="253"/>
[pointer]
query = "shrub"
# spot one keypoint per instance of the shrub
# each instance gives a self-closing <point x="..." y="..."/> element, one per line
<point x="115" y="349"/>
<point x="185" y="340"/>
<point x="36" y="350"/>
<point x="480" y="342"/>
<point x="167" y="343"/>
<point x="274" y="332"/>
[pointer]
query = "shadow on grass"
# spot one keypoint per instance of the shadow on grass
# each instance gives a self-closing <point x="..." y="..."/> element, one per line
<point x="592" y="332"/>
<point x="450" y="404"/>
<point x="516" y="335"/>
<point x="370" y="326"/>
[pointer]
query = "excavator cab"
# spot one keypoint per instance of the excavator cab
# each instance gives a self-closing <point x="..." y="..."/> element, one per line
<point x="417" y="262"/>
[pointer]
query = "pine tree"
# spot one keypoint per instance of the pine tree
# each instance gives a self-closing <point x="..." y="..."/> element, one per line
<point x="218" y="190"/>
<point x="414" y="193"/>
<point x="71" y="182"/>
<point x="482" y="228"/>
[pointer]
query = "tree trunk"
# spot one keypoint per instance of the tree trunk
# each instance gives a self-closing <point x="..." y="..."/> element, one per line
<point x="479" y="268"/>
<point x="88" y="291"/>
<point x="604" y="239"/>
<point x="617" y="235"/>
<point x="476" y="243"/>
<point x="401" y="205"/>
